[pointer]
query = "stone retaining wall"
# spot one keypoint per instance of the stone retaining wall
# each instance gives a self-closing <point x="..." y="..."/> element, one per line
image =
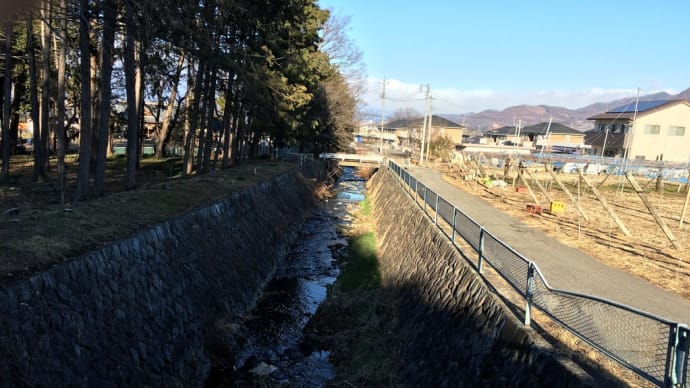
<point x="455" y="331"/>
<point x="135" y="312"/>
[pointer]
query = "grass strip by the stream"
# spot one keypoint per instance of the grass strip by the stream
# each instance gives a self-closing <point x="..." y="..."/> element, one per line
<point x="358" y="321"/>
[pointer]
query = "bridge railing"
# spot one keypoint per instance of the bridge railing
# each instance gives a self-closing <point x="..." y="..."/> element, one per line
<point x="653" y="347"/>
<point x="297" y="157"/>
<point x="357" y="158"/>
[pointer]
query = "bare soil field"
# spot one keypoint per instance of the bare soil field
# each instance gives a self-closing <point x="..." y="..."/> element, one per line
<point x="647" y="253"/>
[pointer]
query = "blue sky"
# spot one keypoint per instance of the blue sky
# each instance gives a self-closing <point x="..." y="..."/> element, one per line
<point x="491" y="54"/>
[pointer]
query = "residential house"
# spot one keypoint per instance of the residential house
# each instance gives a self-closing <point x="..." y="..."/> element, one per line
<point x="556" y="138"/>
<point x="372" y="134"/>
<point x="409" y="131"/>
<point x="649" y="130"/>
<point x="553" y="138"/>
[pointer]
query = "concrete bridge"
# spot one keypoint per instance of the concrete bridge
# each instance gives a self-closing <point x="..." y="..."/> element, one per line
<point x="354" y="160"/>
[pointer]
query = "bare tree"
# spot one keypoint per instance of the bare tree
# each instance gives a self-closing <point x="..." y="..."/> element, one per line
<point x="406" y="113"/>
<point x="343" y="53"/>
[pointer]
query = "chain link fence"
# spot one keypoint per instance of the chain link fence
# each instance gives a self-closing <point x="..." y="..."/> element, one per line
<point x="653" y="347"/>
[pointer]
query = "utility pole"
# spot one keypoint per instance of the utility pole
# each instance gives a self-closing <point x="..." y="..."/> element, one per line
<point x="546" y="137"/>
<point x="427" y="98"/>
<point x="383" y="111"/>
<point x="431" y="121"/>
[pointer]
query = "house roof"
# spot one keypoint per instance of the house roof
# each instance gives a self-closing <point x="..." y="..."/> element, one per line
<point x="436" y="121"/>
<point x="536" y="129"/>
<point x="540" y="129"/>
<point x="628" y="112"/>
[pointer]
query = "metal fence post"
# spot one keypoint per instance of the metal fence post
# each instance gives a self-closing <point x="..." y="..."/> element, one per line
<point x="481" y="249"/>
<point x="455" y="212"/>
<point x="436" y="211"/>
<point x="416" y="188"/>
<point x="425" y="189"/>
<point x="682" y="354"/>
<point x="528" y="294"/>
<point x="677" y="358"/>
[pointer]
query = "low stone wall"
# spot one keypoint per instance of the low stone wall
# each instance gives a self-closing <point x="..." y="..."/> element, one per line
<point x="455" y="331"/>
<point x="135" y="312"/>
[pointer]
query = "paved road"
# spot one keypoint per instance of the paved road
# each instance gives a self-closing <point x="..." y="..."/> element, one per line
<point x="564" y="267"/>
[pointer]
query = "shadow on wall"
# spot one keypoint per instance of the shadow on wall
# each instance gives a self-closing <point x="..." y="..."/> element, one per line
<point x="455" y="329"/>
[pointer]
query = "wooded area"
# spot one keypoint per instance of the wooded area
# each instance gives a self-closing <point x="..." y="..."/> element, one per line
<point x="224" y="80"/>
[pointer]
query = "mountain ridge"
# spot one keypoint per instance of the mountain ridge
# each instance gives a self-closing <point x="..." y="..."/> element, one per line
<point x="534" y="114"/>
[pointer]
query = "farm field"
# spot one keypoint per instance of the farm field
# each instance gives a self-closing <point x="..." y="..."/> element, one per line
<point x="647" y="253"/>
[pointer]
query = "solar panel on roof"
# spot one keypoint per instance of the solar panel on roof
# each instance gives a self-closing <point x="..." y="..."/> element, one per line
<point x="641" y="106"/>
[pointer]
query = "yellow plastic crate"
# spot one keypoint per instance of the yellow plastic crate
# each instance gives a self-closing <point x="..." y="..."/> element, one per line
<point x="557" y="207"/>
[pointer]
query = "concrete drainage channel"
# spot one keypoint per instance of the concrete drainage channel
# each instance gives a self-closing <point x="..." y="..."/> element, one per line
<point x="269" y="342"/>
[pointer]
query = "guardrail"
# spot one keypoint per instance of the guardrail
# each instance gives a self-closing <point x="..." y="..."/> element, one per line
<point x="297" y="157"/>
<point x="653" y="347"/>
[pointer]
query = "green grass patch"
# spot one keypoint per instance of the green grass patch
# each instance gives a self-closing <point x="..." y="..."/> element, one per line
<point x="365" y="207"/>
<point x="362" y="265"/>
<point x="359" y="320"/>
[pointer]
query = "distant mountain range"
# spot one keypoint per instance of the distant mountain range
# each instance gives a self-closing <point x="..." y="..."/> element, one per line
<point x="534" y="114"/>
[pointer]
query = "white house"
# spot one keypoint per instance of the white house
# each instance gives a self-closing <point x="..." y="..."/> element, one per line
<point x="649" y="130"/>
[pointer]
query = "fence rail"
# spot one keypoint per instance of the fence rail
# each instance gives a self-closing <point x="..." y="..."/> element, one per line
<point x="653" y="347"/>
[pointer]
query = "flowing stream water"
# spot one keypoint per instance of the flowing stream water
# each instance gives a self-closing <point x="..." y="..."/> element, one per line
<point x="271" y="351"/>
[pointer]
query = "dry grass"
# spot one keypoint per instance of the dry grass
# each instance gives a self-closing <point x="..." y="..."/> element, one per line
<point x="41" y="233"/>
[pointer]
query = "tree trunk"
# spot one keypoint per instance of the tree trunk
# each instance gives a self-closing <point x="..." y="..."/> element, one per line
<point x="109" y="17"/>
<point x="6" y="105"/>
<point x="60" y="143"/>
<point x="227" y="120"/>
<point x="19" y="91"/>
<point x="165" y="127"/>
<point x="45" y="89"/>
<point x="38" y="172"/>
<point x="660" y="183"/>
<point x="237" y="140"/>
<point x="132" y="107"/>
<point x="85" y="132"/>
<point x="140" y="58"/>
<point x="95" y="106"/>
<point x="202" y="122"/>
<point x="210" y="105"/>
<point x="188" y="159"/>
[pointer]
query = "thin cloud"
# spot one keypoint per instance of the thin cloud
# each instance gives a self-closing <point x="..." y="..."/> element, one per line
<point x="402" y="95"/>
